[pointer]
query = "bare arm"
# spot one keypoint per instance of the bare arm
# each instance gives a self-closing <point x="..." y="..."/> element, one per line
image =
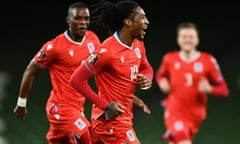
<point x="26" y="85"/>
<point x="140" y="103"/>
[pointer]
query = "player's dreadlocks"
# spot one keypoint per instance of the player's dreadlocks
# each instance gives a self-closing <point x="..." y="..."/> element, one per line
<point x="110" y="15"/>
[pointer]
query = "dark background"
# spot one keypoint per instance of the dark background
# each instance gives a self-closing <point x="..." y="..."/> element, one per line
<point x="27" y="25"/>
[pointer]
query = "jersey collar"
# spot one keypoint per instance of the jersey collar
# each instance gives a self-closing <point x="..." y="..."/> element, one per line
<point x="182" y="56"/>
<point x="117" y="37"/>
<point x="67" y="35"/>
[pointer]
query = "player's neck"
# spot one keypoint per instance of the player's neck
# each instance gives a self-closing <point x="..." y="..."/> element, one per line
<point x="189" y="55"/>
<point x="74" y="38"/>
<point x="125" y="38"/>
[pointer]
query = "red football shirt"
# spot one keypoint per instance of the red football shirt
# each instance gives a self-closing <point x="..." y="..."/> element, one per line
<point x="116" y="66"/>
<point x="184" y="79"/>
<point x="62" y="56"/>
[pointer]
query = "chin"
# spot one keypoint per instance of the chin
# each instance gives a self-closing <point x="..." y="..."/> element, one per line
<point x="187" y="48"/>
<point x="82" y="33"/>
<point x="140" y="38"/>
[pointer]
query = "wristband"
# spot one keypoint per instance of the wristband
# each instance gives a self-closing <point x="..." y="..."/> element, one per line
<point x="22" y="102"/>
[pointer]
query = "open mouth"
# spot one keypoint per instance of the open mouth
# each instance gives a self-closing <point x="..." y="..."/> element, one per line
<point x="82" y="29"/>
<point x="144" y="30"/>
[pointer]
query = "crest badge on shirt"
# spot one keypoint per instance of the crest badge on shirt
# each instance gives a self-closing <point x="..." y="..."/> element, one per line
<point x="138" y="53"/>
<point x="90" y="47"/>
<point x="198" y="67"/>
<point x="93" y="58"/>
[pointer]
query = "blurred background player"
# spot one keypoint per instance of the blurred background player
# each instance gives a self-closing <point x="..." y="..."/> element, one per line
<point x="61" y="56"/>
<point x="188" y="76"/>
<point x="119" y="66"/>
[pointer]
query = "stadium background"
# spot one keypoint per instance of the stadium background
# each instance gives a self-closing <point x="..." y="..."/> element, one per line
<point x="26" y="26"/>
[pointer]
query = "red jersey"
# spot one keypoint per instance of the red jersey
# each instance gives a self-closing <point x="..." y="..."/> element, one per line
<point x="184" y="79"/>
<point x="116" y="66"/>
<point x="62" y="56"/>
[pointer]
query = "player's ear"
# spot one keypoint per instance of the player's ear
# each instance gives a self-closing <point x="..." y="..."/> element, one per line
<point x="67" y="20"/>
<point x="198" y="41"/>
<point x="128" y="22"/>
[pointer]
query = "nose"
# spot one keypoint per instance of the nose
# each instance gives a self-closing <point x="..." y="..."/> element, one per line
<point x="146" y="20"/>
<point x="82" y="23"/>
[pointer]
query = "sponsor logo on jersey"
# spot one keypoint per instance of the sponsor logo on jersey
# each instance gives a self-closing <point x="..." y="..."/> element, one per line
<point x="138" y="53"/>
<point x="198" y="67"/>
<point x="93" y="58"/>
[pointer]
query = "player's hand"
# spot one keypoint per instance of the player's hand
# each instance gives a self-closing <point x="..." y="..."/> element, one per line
<point x="143" y="82"/>
<point x="20" y="112"/>
<point x="140" y="103"/>
<point x="204" y="86"/>
<point x="113" y="109"/>
<point x="164" y="85"/>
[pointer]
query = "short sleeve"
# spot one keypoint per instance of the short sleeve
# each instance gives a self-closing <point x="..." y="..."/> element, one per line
<point x="98" y="60"/>
<point x="46" y="55"/>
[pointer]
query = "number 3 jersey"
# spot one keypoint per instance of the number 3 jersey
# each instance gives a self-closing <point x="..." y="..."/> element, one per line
<point x="184" y="77"/>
